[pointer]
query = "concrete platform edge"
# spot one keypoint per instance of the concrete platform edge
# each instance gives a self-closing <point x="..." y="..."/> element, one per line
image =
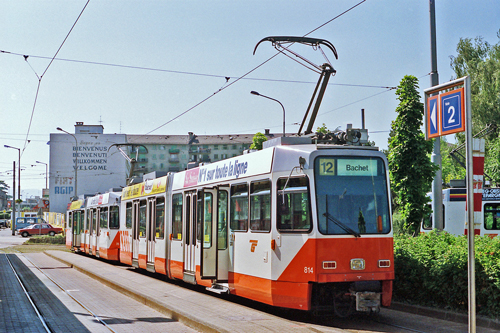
<point x="183" y="318"/>
<point x="444" y="315"/>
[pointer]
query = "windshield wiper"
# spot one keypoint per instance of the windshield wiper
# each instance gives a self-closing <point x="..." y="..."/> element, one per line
<point x="342" y="225"/>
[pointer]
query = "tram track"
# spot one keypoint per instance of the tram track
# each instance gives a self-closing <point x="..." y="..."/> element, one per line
<point x="46" y="325"/>
<point x="23" y="286"/>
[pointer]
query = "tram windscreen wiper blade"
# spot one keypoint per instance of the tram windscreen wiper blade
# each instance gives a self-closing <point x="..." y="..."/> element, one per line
<point x="341" y="225"/>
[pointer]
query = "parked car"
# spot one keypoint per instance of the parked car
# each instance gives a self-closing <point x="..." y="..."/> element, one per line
<point x="39" y="229"/>
<point x="24" y="222"/>
<point x="3" y="223"/>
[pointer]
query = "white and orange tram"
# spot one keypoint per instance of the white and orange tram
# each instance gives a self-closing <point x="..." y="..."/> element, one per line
<point x="303" y="226"/>
<point x="100" y="236"/>
<point x="95" y="222"/>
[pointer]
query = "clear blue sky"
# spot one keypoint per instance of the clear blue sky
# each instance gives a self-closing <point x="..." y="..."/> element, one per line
<point x="378" y="43"/>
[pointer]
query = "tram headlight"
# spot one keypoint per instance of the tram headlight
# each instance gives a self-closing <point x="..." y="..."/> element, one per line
<point x="357" y="264"/>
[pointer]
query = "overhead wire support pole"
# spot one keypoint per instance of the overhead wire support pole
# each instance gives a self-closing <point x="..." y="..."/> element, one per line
<point x="437" y="183"/>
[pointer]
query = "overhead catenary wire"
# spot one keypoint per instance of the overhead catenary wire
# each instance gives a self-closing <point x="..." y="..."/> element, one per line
<point x="251" y="71"/>
<point x="195" y="73"/>
<point x="26" y="141"/>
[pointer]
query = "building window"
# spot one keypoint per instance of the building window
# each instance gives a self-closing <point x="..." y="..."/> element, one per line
<point x="235" y="147"/>
<point x="216" y="157"/>
<point x="153" y="156"/>
<point x="216" y="147"/>
<point x="224" y="147"/>
<point x="162" y="157"/>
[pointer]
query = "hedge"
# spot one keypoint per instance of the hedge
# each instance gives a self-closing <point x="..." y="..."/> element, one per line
<point x="57" y="239"/>
<point x="431" y="270"/>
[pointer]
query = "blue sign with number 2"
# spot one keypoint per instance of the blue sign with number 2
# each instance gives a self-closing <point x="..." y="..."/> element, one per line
<point x="451" y="112"/>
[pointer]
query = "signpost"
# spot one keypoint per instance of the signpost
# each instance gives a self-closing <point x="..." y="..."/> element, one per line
<point x="447" y="111"/>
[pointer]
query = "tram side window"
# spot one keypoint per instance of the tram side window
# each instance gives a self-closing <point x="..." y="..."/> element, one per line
<point x="239" y="207"/>
<point x="70" y="220"/>
<point x="177" y="216"/>
<point x="160" y="218"/>
<point x="88" y="217"/>
<point x="94" y="219"/>
<point x="260" y="205"/>
<point x="492" y="216"/>
<point x="293" y="205"/>
<point x="114" y="217"/>
<point x="77" y="222"/>
<point x="142" y="218"/>
<point x="103" y="218"/>
<point x="128" y="215"/>
<point x="207" y="221"/>
<point x="222" y="220"/>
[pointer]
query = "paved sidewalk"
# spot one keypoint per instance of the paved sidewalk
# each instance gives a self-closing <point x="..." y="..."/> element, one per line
<point x="197" y="310"/>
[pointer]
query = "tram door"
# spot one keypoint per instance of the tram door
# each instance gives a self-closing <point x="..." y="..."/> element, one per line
<point x="88" y="235"/>
<point x="77" y="216"/>
<point x="135" y="234"/>
<point x="93" y="239"/>
<point x="150" y="235"/>
<point x="208" y="213"/>
<point x="97" y="230"/>
<point x="222" y="234"/>
<point x="190" y="239"/>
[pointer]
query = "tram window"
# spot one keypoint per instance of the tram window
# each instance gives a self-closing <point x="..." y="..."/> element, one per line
<point x="199" y="216"/>
<point x="260" y="205"/>
<point x="70" y="220"/>
<point x="207" y="220"/>
<point x="160" y="218"/>
<point x="293" y="205"/>
<point x="103" y="218"/>
<point x="239" y="207"/>
<point x="93" y="213"/>
<point x="128" y="215"/>
<point x="177" y="216"/>
<point x="492" y="216"/>
<point x="94" y="219"/>
<point x="88" y="219"/>
<point x="77" y="222"/>
<point x="114" y="218"/>
<point x="142" y="218"/>
<point x="222" y="221"/>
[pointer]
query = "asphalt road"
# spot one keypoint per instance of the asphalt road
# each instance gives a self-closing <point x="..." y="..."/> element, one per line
<point x="6" y="238"/>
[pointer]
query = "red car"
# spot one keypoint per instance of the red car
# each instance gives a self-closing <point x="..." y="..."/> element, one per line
<point x="39" y="229"/>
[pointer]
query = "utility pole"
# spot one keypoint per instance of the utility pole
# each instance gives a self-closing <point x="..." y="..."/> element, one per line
<point x="437" y="183"/>
<point x="13" y="213"/>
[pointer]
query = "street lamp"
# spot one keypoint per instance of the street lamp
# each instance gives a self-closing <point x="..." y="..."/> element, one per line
<point x="76" y="161"/>
<point x="257" y="94"/>
<point x="46" y="173"/>
<point x="19" y="171"/>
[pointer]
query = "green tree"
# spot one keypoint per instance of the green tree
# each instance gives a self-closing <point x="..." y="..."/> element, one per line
<point x="481" y="61"/>
<point x="450" y="168"/>
<point x="410" y="167"/>
<point x="258" y="140"/>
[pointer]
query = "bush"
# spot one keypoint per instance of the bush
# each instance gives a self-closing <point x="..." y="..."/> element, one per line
<point x="57" y="239"/>
<point x="431" y="270"/>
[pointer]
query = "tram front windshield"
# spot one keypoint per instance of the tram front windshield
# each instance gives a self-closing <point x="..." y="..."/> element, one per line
<point x="351" y="196"/>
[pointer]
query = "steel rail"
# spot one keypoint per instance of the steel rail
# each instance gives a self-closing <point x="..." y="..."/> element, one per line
<point x="40" y="317"/>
